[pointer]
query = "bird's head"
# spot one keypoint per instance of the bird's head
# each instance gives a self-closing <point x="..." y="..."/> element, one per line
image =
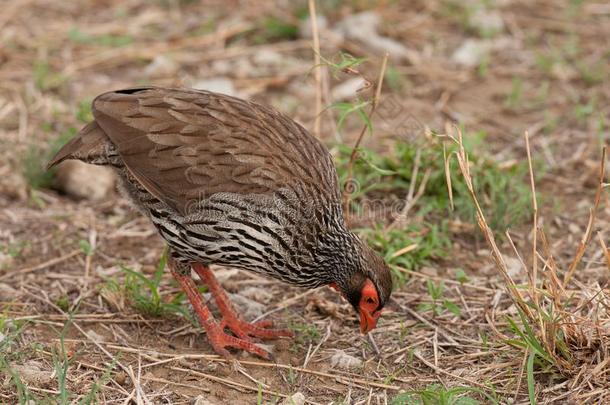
<point x="367" y="288"/>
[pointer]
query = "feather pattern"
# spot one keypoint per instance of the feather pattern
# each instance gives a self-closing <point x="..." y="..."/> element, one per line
<point x="228" y="182"/>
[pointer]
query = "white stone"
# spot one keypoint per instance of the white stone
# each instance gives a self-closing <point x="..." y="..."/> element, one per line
<point x="471" y="52"/>
<point x="161" y="65"/>
<point x="514" y="266"/>
<point x="345" y="361"/>
<point x="295" y="399"/>
<point x="6" y="291"/>
<point x="14" y="186"/>
<point x="222" y="85"/>
<point x="83" y="180"/>
<point x="32" y="373"/>
<point x="201" y="400"/>
<point x="93" y="335"/>
<point x="487" y="22"/>
<point x="363" y="27"/>
<point x="257" y="294"/>
<point x="268" y="57"/>
<point x="246" y="307"/>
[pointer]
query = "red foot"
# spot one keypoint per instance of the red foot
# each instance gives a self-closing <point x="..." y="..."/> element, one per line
<point x="215" y="332"/>
<point x="219" y="340"/>
<point x="230" y="318"/>
<point x="260" y="329"/>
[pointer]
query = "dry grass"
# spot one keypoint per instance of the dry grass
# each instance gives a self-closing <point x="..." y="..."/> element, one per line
<point x="567" y="330"/>
<point x="531" y="324"/>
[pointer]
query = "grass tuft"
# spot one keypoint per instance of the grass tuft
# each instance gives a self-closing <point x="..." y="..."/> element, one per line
<point x="377" y="176"/>
<point x="554" y="326"/>
<point x="143" y="292"/>
<point x="436" y="394"/>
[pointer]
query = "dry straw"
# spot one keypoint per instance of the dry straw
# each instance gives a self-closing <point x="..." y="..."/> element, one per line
<point x="566" y="329"/>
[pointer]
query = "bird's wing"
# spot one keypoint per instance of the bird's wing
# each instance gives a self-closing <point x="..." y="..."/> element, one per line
<point x="184" y="145"/>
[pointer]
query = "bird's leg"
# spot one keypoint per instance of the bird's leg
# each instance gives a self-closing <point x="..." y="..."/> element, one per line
<point x="230" y="318"/>
<point x="215" y="332"/>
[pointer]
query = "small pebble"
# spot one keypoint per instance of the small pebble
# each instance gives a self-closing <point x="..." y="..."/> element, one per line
<point x="201" y="400"/>
<point x="295" y="399"/>
<point x="345" y="361"/>
<point x="120" y="378"/>
<point x="31" y="372"/>
<point x="81" y="180"/>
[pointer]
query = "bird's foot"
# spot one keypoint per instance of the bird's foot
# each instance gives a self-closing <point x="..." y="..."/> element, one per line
<point x="230" y="318"/>
<point x="246" y="330"/>
<point x="221" y="340"/>
<point x="214" y="331"/>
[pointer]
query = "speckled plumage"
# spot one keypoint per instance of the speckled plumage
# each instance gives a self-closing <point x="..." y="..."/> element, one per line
<point x="229" y="182"/>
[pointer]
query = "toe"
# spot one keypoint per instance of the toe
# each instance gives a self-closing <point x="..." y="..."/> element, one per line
<point x="263" y="324"/>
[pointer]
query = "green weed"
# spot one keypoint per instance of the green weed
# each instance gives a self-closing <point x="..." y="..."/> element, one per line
<point x="112" y="41"/>
<point x="583" y="111"/>
<point x="460" y="276"/>
<point x="593" y="73"/>
<point x="62" y="363"/>
<point x="539" y="355"/>
<point x="14" y="249"/>
<point x="86" y="247"/>
<point x="143" y="292"/>
<point x="305" y="334"/>
<point x="395" y="80"/>
<point x="382" y="178"/>
<point x="341" y="62"/>
<point x="436" y="394"/>
<point x="276" y="29"/>
<point x="438" y="304"/>
<point x="514" y="98"/>
<point x="347" y="108"/>
<point x="45" y="78"/>
<point x="430" y="241"/>
<point x="462" y="13"/>
<point x="83" y="111"/>
<point x="12" y="352"/>
<point x="9" y="352"/>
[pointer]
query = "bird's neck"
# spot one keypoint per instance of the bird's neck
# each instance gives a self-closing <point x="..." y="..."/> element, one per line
<point x="337" y="255"/>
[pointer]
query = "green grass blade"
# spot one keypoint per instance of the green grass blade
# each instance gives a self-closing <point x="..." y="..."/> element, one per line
<point x="531" y="387"/>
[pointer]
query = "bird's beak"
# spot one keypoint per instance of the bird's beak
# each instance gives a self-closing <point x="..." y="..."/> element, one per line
<point x="367" y="322"/>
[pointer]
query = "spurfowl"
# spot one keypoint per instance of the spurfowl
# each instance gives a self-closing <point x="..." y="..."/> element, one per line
<point x="233" y="183"/>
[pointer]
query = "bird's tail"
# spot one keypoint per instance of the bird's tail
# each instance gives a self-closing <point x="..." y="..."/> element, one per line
<point x="88" y="145"/>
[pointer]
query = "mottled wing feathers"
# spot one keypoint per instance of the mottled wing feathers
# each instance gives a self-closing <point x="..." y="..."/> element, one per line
<point x="183" y="145"/>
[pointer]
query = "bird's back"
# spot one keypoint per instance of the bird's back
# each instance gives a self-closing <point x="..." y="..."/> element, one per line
<point x="183" y="145"/>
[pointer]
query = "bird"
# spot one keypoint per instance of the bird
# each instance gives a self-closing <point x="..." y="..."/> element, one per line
<point x="233" y="183"/>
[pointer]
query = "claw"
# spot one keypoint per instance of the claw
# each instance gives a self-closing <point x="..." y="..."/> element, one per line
<point x="259" y="329"/>
<point x="230" y="318"/>
<point x="220" y="340"/>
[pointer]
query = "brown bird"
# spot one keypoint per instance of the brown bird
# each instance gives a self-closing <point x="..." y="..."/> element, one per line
<point x="234" y="183"/>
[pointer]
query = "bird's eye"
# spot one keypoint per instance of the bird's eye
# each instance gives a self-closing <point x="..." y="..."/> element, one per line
<point x="370" y="301"/>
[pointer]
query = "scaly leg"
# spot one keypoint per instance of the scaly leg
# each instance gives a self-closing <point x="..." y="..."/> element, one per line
<point x="215" y="332"/>
<point x="230" y="318"/>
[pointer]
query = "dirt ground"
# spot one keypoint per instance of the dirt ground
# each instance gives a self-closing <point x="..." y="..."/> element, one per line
<point x="503" y="67"/>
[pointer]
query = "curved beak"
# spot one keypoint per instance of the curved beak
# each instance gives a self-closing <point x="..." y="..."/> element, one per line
<point x="367" y="322"/>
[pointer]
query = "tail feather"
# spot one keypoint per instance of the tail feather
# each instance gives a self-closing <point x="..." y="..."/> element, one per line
<point x="87" y="145"/>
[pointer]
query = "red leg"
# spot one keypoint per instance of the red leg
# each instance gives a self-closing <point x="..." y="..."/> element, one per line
<point x="215" y="332"/>
<point x="230" y="318"/>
